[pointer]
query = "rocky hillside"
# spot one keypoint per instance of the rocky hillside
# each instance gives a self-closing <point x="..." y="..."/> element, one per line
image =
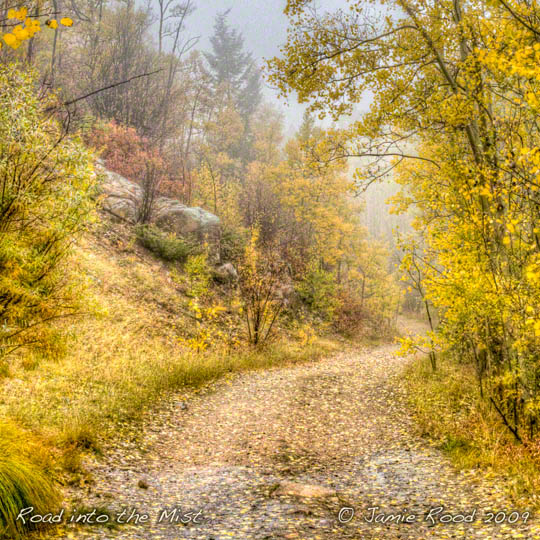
<point x="123" y="200"/>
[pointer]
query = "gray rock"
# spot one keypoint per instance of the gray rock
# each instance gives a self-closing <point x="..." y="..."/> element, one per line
<point x="123" y="198"/>
<point x="173" y="216"/>
<point x="226" y="273"/>
<point x="120" y="196"/>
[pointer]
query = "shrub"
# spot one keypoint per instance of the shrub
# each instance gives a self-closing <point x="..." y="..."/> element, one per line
<point x="127" y="153"/>
<point x="318" y="289"/>
<point x="46" y="183"/>
<point x="259" y="278"/>
<point x="232" y="244"/>
<point x="122" y="149"/>
<point x="351" y="314"/>
<point x="199" y="274"/>
<point x="165" y="245"/>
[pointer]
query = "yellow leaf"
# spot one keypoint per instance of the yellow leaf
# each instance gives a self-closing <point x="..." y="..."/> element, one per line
<point x="21" y="33"/>
<point x="10" y="39"/>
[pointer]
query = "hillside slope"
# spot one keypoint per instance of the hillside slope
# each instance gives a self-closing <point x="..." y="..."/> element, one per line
<point x="125" y="352"/>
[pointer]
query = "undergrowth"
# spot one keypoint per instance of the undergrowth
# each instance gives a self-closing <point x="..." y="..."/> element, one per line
<point x="166" y="245"/>
<point x="452" y="414"/>
<point x="24" y="480"/>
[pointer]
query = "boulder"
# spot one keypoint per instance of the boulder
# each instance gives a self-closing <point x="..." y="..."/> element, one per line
<point x="226" y="273"/>
<point x="173" y="216"/>
<point x="120" y="196"/>
<point x="123" y="198"/>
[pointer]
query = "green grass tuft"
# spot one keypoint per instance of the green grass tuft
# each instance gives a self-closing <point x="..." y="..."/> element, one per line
<point x="23" y="484"/>
<point x="167" y="246"/>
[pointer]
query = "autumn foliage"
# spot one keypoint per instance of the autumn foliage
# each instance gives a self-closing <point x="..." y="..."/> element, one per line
<point x="454" y="119"/>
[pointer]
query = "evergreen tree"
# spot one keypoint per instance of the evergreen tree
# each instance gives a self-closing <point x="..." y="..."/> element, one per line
<point x="233" y="70"/>
<point x="307" y="129"/>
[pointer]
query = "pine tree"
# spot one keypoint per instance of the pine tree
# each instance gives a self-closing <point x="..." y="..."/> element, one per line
<point x="307" y="129"/>
<point x="233" y="70"/>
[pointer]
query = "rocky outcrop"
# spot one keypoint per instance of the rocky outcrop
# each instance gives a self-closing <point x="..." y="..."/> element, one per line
<point x="123" y="198"/>
<point x="120" y="196"/>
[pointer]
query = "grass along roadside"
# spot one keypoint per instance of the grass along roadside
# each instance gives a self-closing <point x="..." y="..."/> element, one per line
<point x="450" y="413"/>
<point x="74" y="407"/>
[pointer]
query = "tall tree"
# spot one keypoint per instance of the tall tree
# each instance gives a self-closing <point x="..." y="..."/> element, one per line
<point x="232" y="69"/>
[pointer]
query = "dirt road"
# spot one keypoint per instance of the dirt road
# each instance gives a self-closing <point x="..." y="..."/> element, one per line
<point x="301" y="452"/>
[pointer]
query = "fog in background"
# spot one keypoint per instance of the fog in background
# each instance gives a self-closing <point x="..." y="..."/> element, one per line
<point x="264" y="28"/>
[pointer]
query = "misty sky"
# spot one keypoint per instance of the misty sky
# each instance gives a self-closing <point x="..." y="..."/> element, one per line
<point x="264" y="27"/>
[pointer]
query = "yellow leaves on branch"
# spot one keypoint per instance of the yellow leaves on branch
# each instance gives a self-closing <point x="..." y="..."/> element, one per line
<point x="20" y="14"/>
<point x="23" y="32"/>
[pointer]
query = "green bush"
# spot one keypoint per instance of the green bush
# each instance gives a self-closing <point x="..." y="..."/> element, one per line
<point x="167" y="246"/>
<point x="199" y="275"/>
<point x="318" y="289"/>
<point x="233" y="244"/>
<point x="23" y="483"/>
<point x="46" y="183"/>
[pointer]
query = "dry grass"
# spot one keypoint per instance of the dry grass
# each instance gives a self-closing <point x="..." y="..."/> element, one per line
<point x="451" y="413"/>
<point x="123" y="360"/>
